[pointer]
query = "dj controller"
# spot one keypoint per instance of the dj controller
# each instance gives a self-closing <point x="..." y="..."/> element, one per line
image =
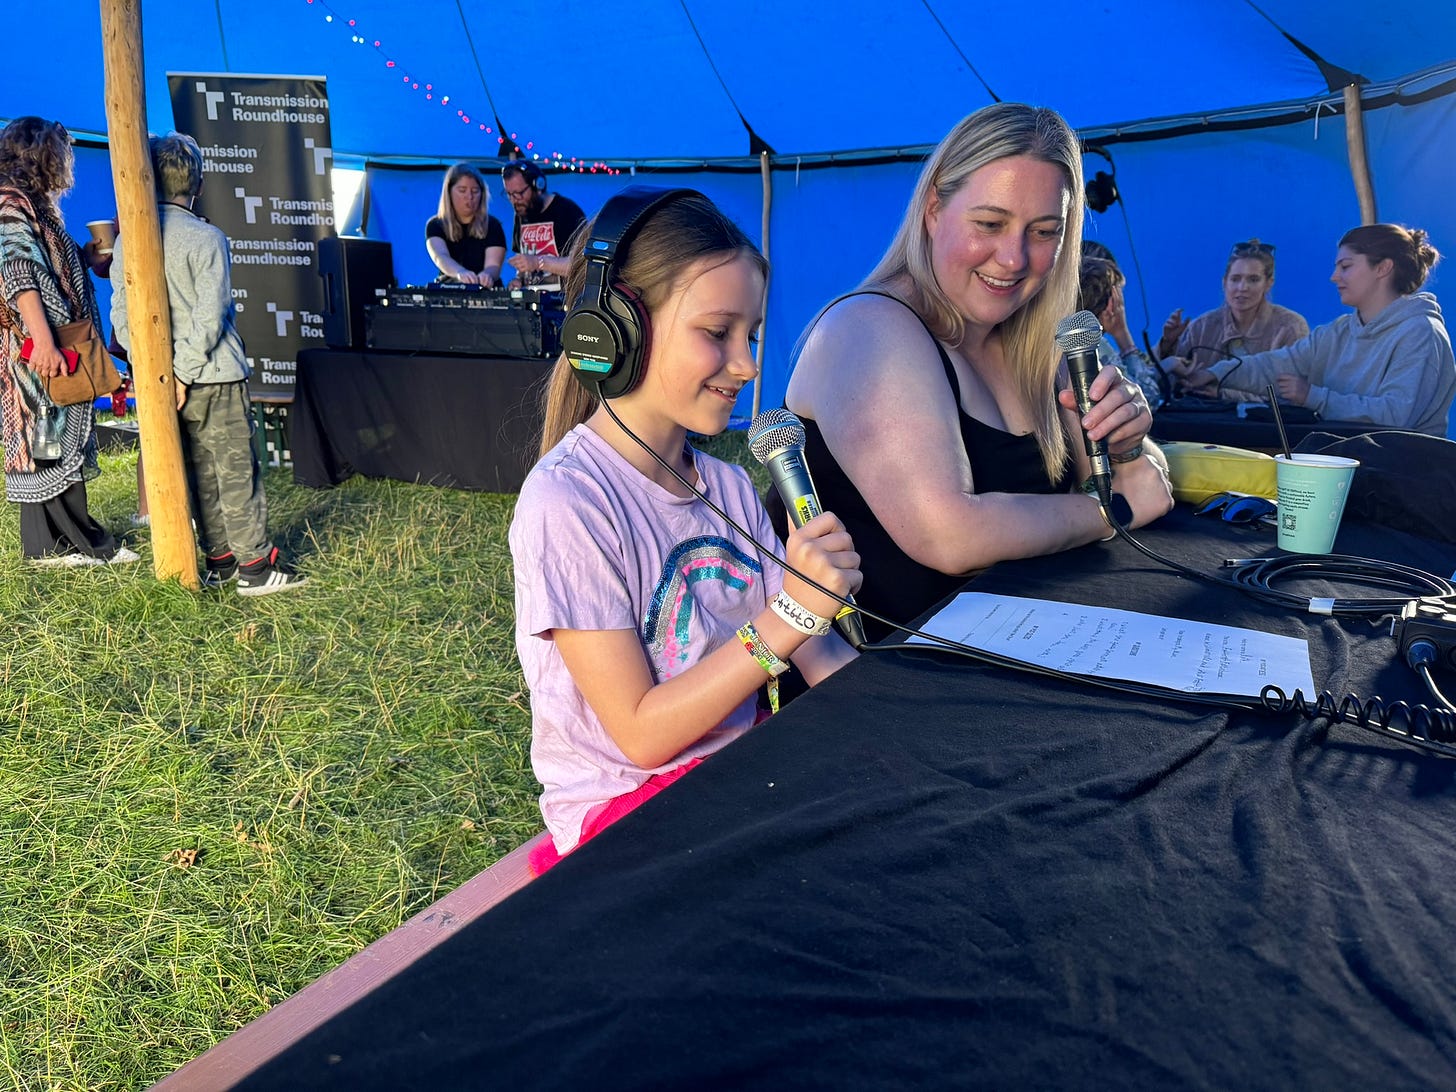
<point x="467" y="318"/>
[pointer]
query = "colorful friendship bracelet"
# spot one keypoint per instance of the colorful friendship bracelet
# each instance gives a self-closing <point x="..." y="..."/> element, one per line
<point x="758" y="648"/>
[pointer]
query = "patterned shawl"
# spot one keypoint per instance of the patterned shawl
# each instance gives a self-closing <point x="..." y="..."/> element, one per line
<point x="37" y="254"/>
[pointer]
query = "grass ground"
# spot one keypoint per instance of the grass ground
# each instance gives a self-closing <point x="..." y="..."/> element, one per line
<point x="208" y="801"/>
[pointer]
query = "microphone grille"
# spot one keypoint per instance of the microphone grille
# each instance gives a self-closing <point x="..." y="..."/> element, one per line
<point x="1079" y="331"/>
<point x="772" y="431"/>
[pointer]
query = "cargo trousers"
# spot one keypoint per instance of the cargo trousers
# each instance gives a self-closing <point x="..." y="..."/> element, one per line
<point x="223" y="475"/>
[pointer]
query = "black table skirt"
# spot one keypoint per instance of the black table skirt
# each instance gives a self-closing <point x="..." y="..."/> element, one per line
<point x="1218" y="426"/>
<point x="457" y="421"/>
<point x="932" y="873"/>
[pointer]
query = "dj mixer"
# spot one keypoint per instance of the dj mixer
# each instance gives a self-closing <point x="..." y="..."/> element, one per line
<point x="467" y="318"/>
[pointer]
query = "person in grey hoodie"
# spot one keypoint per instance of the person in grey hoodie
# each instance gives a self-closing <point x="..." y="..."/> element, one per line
<point x="211" y="370"/>
<point x="1389" y="362"/>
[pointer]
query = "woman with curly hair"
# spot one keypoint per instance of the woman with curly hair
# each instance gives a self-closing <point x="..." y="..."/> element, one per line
<point x="50" y="451"/>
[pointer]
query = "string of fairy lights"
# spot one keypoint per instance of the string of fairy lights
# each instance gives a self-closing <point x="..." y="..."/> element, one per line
<point x="413" y="82"/>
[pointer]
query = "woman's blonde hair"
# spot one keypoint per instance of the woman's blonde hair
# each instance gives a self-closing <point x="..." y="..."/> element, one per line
<point x="662" y="249"/>
<point x="1252" y="250"/>
<point x="454" y="229"/>
<point x="1028" y="337"/>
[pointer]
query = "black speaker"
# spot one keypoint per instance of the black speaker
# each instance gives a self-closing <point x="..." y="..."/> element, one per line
<point x="356" y="272"/>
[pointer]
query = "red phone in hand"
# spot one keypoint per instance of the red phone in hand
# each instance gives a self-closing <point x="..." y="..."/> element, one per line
<point x="73" y="358"/>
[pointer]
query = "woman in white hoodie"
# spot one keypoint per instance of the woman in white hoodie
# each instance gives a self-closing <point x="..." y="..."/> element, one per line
<point x="1389" y="362"/>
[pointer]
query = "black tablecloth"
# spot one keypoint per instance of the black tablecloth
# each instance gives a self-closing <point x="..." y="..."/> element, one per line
<point x="932" y="873"/>
<point x="466" y="422"/>
<point x="1226" y="427"/>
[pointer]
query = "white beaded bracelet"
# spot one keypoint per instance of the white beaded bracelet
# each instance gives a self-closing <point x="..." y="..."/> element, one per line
<point x="800" y="617"/>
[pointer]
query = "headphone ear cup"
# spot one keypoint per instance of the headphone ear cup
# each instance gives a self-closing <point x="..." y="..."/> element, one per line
<point x="635" y="343"/>
<point x="592" y="340"/>
<point x="607" y="335"/>
<point x="1102" y="192"/>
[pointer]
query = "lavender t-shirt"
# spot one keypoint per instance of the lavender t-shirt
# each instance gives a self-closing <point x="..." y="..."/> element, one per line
<point x="598" y="546"/>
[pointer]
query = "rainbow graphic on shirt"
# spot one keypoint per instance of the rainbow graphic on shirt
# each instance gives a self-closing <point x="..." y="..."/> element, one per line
<point x="668" y="623"/>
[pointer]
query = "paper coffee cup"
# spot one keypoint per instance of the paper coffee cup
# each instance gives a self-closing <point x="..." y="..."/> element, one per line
<point x="104" y="232"/>
<point x="1312" y="493"/>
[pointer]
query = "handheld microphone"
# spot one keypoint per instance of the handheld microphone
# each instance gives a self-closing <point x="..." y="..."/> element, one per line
<point x="1077" y="336"/>
<point x="776" y="438"/>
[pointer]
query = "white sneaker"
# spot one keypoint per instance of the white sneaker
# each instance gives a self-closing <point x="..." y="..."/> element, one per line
<point x="70" y="560"/>
<point x="123" y="556"/>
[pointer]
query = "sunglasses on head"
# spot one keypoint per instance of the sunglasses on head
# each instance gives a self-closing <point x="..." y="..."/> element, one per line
<point x="1246" y="250"/>
<point x="1238" y="508"/>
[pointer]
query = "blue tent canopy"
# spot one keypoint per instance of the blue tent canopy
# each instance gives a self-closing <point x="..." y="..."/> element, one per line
<point x="1220" y="121"/>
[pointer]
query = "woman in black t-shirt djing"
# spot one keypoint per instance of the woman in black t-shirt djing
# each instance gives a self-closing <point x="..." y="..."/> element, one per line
<point x="465" y="242"/>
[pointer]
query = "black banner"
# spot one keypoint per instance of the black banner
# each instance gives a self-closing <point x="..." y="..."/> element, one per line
<point x="265" y="140"/>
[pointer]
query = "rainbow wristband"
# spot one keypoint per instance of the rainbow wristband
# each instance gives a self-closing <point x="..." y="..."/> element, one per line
<point x="759" y="650"/>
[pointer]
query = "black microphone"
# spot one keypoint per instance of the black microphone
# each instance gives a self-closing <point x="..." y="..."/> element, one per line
<point x="776" y="438"/>
<point x="1077" y="337"/>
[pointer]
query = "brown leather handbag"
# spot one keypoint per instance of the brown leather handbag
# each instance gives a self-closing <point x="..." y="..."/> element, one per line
<point x="94" y="373"/>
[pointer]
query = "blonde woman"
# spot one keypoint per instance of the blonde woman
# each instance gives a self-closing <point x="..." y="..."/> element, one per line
<point x="941" y="427"/>
<point x="1248" y="322"/>
<point x="466" y="243"/>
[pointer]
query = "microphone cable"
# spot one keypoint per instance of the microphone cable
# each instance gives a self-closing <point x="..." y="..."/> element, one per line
<point x="1418" y="725"/>
<point x="1256" y="577"/>
<point x="1222" y="354"/>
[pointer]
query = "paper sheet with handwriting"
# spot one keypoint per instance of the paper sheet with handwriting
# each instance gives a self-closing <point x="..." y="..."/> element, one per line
<point x="1197" y="657"/>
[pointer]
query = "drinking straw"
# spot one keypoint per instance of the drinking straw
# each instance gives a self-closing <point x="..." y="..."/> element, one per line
<point x="1279" y="420"/>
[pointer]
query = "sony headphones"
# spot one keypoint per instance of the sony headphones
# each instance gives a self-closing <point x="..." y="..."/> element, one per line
<point x="535" y="177"/>
<point x="606" y="335"/>
<point x="1101" y="191"/>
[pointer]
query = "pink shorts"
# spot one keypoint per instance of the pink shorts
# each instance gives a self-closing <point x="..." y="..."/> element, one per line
<point x="605" y="814"/>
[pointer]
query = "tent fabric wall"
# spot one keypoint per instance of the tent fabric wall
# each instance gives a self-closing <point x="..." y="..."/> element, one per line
<point x="1185" y="202"/>
<point x="658" y="86"/>
<point x="670" y="78"/>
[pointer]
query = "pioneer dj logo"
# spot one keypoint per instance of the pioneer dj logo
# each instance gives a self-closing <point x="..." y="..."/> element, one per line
<point x="213" y="99"/>
<point x="320" y="155"/>
<point x="251" y="205"/>
<point x="283" y="318"/>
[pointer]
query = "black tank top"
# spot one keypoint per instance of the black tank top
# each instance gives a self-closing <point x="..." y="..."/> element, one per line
<point x="895" y="585"/>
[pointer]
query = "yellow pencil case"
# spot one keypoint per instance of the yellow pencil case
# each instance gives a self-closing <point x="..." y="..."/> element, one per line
<point x="1198" y="471"/>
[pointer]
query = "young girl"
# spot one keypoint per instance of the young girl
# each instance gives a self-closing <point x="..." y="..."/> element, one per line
<point x="645" y="625"/>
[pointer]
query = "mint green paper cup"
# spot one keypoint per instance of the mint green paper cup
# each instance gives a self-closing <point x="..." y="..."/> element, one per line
<point x="1312" y="492"/>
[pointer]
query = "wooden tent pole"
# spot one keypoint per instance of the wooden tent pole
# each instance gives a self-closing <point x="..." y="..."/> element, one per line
<point x="763" y="167"/>
<point x="174" y="550"/>
<point x="1359" y="162"/>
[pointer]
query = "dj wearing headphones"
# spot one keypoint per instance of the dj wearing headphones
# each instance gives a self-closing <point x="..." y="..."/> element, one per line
<point x="544" y="225"/>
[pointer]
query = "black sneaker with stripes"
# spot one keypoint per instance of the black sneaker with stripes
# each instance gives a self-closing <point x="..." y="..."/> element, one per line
<point x="267" y="575"/>
<point x="220" y="570"/>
